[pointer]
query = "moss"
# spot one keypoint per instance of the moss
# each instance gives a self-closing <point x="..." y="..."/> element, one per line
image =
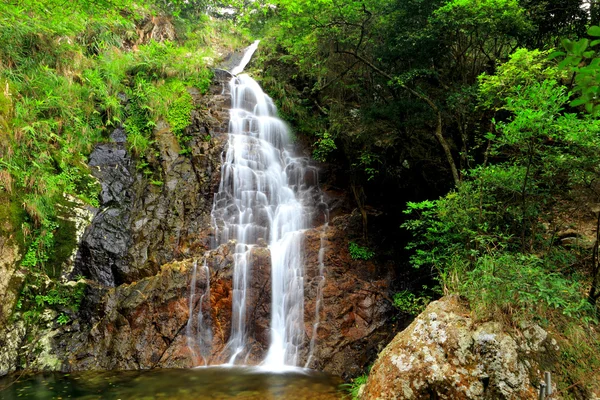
<point x="65" y="243"/>
<point x="12" y="217"/>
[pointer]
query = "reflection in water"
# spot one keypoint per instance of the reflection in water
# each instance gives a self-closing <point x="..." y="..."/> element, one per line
<point x="200" y="383"/>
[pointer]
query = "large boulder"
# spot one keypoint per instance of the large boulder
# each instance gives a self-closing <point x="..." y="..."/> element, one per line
<point x="445" y="354"/>
<point x="103" y="248"/>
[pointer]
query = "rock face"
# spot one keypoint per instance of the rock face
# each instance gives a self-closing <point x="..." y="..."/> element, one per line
<point x="145" y="324"/>
<point x="353" y="310"/>
<point x="136" y="326"/>
<point x="141" y="226"/>
<point x="10" y="279"/>
<point x="444" y="354"/>
<point x="103" y="248"/>
<point x="140" y="252"/>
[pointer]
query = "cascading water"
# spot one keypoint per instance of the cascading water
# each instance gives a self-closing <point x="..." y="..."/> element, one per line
<point x="200" y="339"/>
<point x="319" y="299"/>
<point x="266" y="196"/>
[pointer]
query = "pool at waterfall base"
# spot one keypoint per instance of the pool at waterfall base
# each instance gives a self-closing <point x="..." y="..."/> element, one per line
<point x="197" y="383"/>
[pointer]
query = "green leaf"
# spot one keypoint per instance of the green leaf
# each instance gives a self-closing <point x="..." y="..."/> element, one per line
<point x="577" y="102"/>
<point x="594" y="31"/>
<point x="567" y="62"/>
<point x="555" y="54"/>
<point x="589" y="54"/>
<point x="580" y="46"/>
<point x="567" y="44"/>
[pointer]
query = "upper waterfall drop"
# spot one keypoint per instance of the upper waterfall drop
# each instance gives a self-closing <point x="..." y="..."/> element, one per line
<point x="248" y="53"/>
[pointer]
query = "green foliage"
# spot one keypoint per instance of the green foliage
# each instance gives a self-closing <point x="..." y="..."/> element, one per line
<point x="353" y="388"/>
<point x="370" y="163"/>
<point x="524" y="67"/>
<point x="39" y="294"/>
<point x="324" y="145"/>
<point x="581" y="60"/>
<point x="63" y="319"/>
<point x="523" y="285"/>
<point x="410" y="303"/>
<point x="179" y="114"/>
<point x="40" y="248"/>
<point x="359" y="252"/>
<point x="490" y="240"/>
<point x="579" y="355"/>
<point x="498" y="16"/>
<point x="139" y="122"/>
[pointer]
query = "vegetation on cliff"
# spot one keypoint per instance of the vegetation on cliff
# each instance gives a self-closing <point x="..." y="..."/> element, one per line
<point x="70" y="73"/>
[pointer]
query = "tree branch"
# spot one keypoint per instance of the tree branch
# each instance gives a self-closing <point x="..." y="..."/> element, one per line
<point x="438" y="130"/>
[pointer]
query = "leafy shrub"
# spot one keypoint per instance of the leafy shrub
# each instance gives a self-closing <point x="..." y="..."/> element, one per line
<point x="359" y="252"/>
<point x="39" y="294"/>
<point x="410" y="303"/>
<point x="324" y="145"/>
<point x="522" y="284"/>
<point x="179" y="114"/>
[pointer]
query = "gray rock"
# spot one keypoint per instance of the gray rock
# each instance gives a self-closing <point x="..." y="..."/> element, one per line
<point x="103" y="248"/>
<point x="445" y="354"/>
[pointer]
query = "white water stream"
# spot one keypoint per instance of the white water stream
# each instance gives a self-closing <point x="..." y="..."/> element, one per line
<point x="266" y="196"/>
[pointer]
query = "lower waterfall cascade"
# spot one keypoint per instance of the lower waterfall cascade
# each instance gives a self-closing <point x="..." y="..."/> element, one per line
<point x="269" y="197"/>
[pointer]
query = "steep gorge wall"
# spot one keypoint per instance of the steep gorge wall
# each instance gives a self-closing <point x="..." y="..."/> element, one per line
<point x="138" y="254"/>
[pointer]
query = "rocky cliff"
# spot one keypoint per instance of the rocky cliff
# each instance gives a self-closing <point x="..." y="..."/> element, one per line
<point x="138" y="257"/>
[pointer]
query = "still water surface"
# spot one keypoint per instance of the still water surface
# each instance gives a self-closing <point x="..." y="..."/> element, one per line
<point x="198" y="384"/>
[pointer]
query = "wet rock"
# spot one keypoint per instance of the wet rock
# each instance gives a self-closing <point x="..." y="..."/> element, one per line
<point x="172" y="221"/>
<point x="10" y="278"/>
<point x="103" y="247"/>
<point x="354" y="309"/>
<point x="444" y="354"/>
<point x="136" y="326"/>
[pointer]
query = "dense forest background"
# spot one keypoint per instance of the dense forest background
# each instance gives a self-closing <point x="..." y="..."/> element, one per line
<point x="466" y="131"/>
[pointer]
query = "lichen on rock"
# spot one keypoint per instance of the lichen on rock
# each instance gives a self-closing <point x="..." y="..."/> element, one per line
<point x="446" y="354"/>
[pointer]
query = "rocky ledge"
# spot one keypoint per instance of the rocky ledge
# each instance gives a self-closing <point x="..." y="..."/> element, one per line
<point x="445" y="354"/>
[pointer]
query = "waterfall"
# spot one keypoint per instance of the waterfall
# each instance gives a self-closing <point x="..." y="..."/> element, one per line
<point x="200" y="340"/>
<point x="266" y="196"/>
<point x="319" y="299"/>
